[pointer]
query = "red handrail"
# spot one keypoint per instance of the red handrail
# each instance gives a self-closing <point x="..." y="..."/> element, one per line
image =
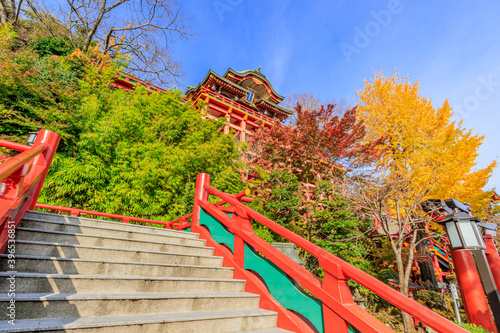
<point x="75" y="212"/>
<point x="330" y="261"/>
<point x="14" y="145"/>
<point x="21" y="180"/>
<point x="14" y="163"/>
<point x="124" y="218"/>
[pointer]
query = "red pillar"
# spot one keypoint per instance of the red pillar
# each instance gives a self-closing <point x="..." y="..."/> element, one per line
<point x="200" y="194"/>
<point x="493" y="258"/>
<point x="437" y="267"/>
<point x="44" y="159"/>
<point x="471" y="289"/>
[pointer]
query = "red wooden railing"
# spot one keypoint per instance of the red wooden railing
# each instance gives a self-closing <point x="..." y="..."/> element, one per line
<point x="21" y="179"/>
<point x="338" y="306"/>
<point x="180" y="223"/>
<point x="177" y="224"/>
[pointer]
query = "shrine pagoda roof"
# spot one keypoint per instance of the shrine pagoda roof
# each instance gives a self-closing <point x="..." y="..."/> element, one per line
<point x="207" y="78"/>
<point x="232" y="74"/>
<point x="241" y="84"/>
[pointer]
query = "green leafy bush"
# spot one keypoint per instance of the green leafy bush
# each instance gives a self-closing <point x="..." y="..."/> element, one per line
<point x="45" y="46"/>
<point x="139" y="155"/>
<point x="474" y="328"/>
<point x="385" y="274"/>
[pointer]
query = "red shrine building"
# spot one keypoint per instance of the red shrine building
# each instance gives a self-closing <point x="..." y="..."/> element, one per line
<point x="246" y="100"/>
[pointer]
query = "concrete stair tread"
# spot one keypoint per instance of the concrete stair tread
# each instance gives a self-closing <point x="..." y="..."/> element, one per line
<point x="111" y="224"/>
<point x="110" y="248"/>
<point x="84" y="275"/>
<point x="5" y="256"/>
<point x="114" y="277"/>
<point x="39" y="325"/>
<point x="139" y="241"/>
<point x="168" y="232"/>
<point x="268" y="330"/>
<point x="119" y="296"/>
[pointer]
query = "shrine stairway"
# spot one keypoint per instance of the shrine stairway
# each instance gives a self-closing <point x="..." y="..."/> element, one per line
<point x="85" y="275"/>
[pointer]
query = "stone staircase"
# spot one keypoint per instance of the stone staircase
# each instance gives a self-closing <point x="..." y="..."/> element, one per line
<point x="86" y="275"/>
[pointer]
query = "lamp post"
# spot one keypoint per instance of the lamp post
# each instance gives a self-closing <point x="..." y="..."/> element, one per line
<point x="464" y="235"/>
<point x="490" y="231"/>
<point x="32" y="136"/>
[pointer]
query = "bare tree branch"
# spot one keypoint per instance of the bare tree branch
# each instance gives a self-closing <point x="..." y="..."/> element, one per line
<point x="142" y="31"/>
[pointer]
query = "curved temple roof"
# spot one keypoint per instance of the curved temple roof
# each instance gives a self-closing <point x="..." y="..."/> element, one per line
<point x="244" y="82"/>
<point x="240" y="76"/>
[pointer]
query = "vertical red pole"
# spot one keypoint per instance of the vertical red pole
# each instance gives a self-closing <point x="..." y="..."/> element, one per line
<point x="435" y="264"/>
<point x="44" y="159"/>
<point x="200" y="194"/>
<point x="493" y="258"/>
<point x="242" y="222"/>
<point x="471" y="289"/>
<point x="335" y="283"/>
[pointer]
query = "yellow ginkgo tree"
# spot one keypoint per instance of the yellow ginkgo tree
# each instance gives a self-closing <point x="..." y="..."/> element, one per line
<point x="426" y="156"/>
<point x="424" y="144"/>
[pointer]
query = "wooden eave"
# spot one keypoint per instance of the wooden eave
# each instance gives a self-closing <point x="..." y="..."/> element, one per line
<point x="273" y="107"/>
<point x="236" y="76"/>
<point x="213" y="77"/>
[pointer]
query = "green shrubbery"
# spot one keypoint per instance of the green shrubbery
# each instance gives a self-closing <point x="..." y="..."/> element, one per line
<point x="52" y="46"/>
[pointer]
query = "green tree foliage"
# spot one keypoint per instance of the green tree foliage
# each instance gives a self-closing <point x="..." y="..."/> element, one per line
<point x="140" y="155"/>
<point x="385" y="275"/>
<point x="474" y="328"/>
<point x="52" y="46"/>
<point x="36" y="91"/>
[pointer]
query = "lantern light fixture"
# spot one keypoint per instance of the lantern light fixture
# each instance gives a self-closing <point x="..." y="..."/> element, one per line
<point x="32" y="137"/>
<point x="463" y="232"/>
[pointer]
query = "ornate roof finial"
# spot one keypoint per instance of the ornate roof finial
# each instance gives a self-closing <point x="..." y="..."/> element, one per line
<point x="258" y="69"/>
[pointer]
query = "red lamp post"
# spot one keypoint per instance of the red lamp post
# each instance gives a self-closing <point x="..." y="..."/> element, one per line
<point x="491" y="251"/>
<point x="464" y="236"/>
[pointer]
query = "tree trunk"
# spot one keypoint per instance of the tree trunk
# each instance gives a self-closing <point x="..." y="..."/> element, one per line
<point x="407" y="322"/>
<point x="403" y="289"/>
<point x="6" y="11"/>
<point x="426" y="267"/>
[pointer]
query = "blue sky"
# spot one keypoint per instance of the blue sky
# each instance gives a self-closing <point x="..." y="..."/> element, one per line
<point x="327" y="48"/>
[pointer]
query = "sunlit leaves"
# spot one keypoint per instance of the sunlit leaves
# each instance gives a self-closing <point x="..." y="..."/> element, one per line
<point x="424" y="144"/>
<point x="140" y="155"/>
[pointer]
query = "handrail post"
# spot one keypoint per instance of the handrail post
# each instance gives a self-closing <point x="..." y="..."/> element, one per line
<point x="242" y="222"/>
<point x="335" y="283"/>
<point x="200" y="194"/>
<point x="44" y="160"/>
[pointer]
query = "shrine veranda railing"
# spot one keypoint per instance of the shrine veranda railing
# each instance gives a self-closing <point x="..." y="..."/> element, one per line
<point x="21" y="180"/>
<point x="279" y="280"/>
<point x="268" y="272"/>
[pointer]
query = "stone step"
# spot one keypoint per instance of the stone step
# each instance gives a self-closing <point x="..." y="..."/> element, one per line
<point x="113" y="242"/>
<point x="202" y="321"/>
<point x="66" y="283"/>
<point x="47" y="249"/>
<point x="42" y="216"/>
<point x="267" y="330"/>
<point x="172" y="237"/>
<point x="32" y="306"/>
<point x="53" y="265"/>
